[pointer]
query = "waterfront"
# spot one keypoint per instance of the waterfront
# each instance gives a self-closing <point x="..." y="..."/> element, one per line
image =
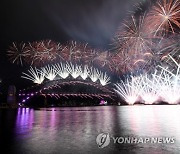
<point x="74" y="129"/>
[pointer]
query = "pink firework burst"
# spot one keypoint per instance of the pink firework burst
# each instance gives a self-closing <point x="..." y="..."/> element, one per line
<point x="132" y="42"/>
<point x="164" y="17"/>
<point x="42" y="52"/>
<point x="133" y="37"/>
<point x="77" y="52"/>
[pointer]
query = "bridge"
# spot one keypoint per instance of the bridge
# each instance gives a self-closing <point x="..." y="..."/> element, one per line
<point x="67" y="82"/>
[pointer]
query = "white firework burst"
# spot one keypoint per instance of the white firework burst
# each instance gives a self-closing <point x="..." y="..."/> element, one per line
<point x="17" y="53"/>
<point x="62" y="70"/>
<point x="74" y="70"/>
<point x="34" y="75"/>
<point x="94" y="74"/>
<point x="171" y="86"/>
<point x="129" y="90"/>
<point x="162" y="85"/>
<point x="104" y="79"/>
<point x="85" y="73"/>
<point x="149" y="92"/>
<point x="50" y="72"/>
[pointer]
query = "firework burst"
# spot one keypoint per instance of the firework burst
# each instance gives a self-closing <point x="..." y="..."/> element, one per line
<point x="17" y="53"/>
<point x="134" y="37"/>
<point x="35" y="75"/>
<point x="170" y="52"/>
<point x="85" y="72"/>
<point x="63" y="71"/>
<point x="162" y="85"/>
<point x="50" y="72"/>
<point x="104" y="79"/>
<point x="77" y="53"/>
<point x="132" y="42"/>
<point x="74" y="70"/>
<point x="164" y="17"/>
<point x="42" y="52"/>
<point x="94" y="74"/>
<point x="129" y="89"/>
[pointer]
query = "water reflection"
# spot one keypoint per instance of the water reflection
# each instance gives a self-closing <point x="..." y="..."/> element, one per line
<point x="74" y="130"/>
<point x="151" y="120"/>
<point x="24" y="121"/>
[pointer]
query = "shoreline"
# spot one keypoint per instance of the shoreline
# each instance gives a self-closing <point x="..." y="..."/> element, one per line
<point x="15" y="107"/>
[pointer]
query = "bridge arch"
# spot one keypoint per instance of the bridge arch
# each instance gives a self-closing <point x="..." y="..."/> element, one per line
<point x="67" y="81"/>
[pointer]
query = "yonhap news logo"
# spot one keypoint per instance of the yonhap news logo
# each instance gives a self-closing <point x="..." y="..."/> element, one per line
<point x="104" y="139"/>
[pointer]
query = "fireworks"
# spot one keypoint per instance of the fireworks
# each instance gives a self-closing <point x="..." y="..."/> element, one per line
<point x="164" y="17"/>
<point x="149" y="89"/>
<point x="77" y="53"/>
<point x="141" y="43"/>
<point x="68" y="88"/>
<point x="42" y="52"/>
<point x="17" y="53"/>
<point x="104" y="79"/>
<point x="35" y="75"/>
<point x="132" y="42"/>
<point x="162" y="85"/>
<point x="94" y="74"/>
<point x="49" y="72"/>
<point x="172" y="49"/>
<point x="170" y="85"/>
<point x="130" y="89"/>
<point x="134" y="37"/>
<point x="85" y="72"/>
<point x="63" y="71"/>
<point x="35" y="53"/>
<point x="103" y="59"/>
<point x="74" y="70"/>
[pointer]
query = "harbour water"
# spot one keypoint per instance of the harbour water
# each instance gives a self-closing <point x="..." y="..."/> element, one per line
<point x="74" y="129"/>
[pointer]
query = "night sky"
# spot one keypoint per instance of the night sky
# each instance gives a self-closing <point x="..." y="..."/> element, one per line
<point x="94" y="22"/>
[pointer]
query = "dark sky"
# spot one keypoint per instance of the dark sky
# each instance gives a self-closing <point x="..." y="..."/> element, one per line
<point x="91" y="21"/>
